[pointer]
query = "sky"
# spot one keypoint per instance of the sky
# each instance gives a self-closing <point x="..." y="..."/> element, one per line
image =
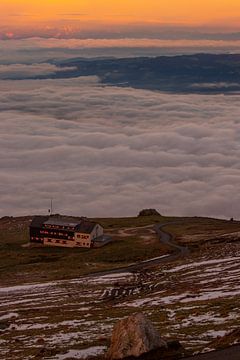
<point x="172" y="11"/>
<point x="85" y="18"/>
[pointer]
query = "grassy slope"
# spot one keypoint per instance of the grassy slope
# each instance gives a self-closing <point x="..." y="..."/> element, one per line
<point x="195" y="231"/>
<point x="22" y="264"/>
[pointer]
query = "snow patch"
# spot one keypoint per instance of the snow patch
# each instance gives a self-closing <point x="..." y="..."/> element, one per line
<point x="8" y="316"/>
<point x="201" y="263"/>
<point x="82" y="354"/>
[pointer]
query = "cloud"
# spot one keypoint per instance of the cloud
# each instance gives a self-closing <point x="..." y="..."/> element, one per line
<point x="84" y="26"/>
<point x="22" y="71"/>
<point x="215" y="85"/>
<point x="106" y="151"/>
<point x="36" y="50"/>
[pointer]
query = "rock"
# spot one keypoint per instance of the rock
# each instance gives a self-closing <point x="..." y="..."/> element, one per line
<point x="4" y="324"/>
<point x="176" y="350"/>
<point x="45" y="353"/>
<point x="149" y="212"/>
<point x="134" y="336"/>
<point x="40" y="341"/>
<point x="102" y="338"/>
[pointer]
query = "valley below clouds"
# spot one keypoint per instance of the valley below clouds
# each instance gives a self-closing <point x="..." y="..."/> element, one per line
<point x="107" y="151"/>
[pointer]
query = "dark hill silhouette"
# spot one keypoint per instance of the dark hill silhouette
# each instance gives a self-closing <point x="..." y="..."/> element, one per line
<point x="199" y="73"/>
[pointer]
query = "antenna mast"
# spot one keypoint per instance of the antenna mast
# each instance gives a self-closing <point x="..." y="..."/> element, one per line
<point x="50" y="211"/>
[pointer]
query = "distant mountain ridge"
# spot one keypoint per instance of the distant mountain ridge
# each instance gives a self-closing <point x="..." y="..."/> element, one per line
<point x="199" y="73"/>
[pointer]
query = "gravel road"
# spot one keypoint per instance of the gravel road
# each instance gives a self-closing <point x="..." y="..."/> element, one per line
<point x="166" y="239"/>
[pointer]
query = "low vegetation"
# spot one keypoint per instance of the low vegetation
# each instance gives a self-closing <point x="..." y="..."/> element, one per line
<point x="193" y="299"/>
<point x="20" y="263"/>
<point x="134" y="240"/>
<point x="196" y="232"/>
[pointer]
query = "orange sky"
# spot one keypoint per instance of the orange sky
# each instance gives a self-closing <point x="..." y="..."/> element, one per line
<point x="187" y="12"/>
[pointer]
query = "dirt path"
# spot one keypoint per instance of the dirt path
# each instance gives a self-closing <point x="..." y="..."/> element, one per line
<point x="167" y="239"/>
<point x="232" y="353"/>
<point x="141" y="269"/>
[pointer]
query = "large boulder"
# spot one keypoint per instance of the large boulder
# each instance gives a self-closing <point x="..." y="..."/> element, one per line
<point x="133" y="337"/>
<point x="149" y="212"/>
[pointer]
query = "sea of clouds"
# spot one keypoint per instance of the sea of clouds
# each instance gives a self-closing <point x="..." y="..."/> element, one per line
<point x="108" y="151"/>
<point x="38" y="50"/>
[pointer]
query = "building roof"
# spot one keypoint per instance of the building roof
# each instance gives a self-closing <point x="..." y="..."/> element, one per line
<point x="83" y="225"/>
<point x="60" y="222"/>
<point x="102" y="239"/>
<point x="38" y="221"/>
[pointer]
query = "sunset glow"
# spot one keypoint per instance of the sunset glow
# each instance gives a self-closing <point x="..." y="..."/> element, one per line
<point x="26" y="12"/>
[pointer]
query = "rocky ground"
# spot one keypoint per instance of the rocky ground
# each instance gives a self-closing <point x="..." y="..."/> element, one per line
<point x="194" y="300"/>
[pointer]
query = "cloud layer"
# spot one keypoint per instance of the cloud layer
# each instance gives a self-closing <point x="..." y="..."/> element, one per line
<point x="77" y="26"/>
<point x="23" y="71"/>
<point x="37" y="50"/>
<point x="105" y="151"/>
